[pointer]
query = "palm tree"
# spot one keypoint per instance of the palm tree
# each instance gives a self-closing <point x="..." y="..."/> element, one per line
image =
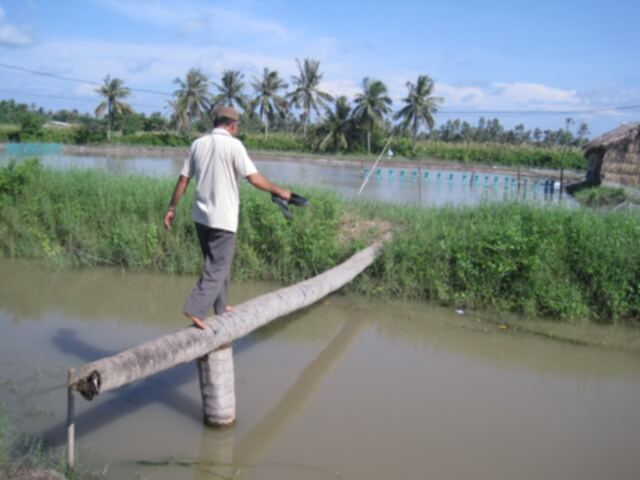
<point x="267" y="101"/>
<point x="306" y="94"/>
<point x="112" y="90"/>
<point x="230" y="90"/>
<point x="191" y="99"/>
<point x="335" y="128"/>
<point x="371" y="105"/>
<point x="420" y="106"/>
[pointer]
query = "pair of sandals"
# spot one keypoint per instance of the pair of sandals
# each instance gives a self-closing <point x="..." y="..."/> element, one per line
<point x="297" y="200"/>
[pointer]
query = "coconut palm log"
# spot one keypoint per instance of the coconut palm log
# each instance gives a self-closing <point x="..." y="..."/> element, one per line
<point x="191" y="343"/>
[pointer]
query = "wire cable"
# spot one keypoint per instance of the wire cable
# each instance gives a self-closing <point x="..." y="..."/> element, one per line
<point x="594" y="111"/>
<point x="57" y="97"/>
<point x="76" y="80"/>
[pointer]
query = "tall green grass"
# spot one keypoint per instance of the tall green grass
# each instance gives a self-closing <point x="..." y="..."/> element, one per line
<point x="504" y="154"/>
<point x="529" y="259"/>
<point x="87" y="217"/>
<point x="22" y="457"/>
<point x="602" y="196"/>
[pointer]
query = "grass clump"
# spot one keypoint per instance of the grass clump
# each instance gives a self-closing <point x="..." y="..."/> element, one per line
<point x="514" y="257"/>
<point x="602" y="196"/>
<point x="24" y="457"/>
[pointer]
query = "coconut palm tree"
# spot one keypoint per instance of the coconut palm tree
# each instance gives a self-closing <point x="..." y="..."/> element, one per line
<point x="419" y="106"/>
<point x="371" y="106"/>
<point x="306" y="94"/>
<point x="335" y="128"/>
<point x="191" y="99"/>
<point x="267" y="101"/>
<point x="230" y="90"/>
<point x="112" y="90"/>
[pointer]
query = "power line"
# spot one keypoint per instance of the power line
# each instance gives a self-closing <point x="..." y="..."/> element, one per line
<point x="76" y="99"/>
<point x="541" y="112"/>
<point x="444" y="112"/>
<point x="76" y="80"/>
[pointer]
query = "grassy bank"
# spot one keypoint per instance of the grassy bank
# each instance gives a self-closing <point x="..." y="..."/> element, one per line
<point x="602" y="196"/>
<point x="503" y="154"/>
<point x="512" y="257"/>
<point x="477" y="153"/>
<point x="26" y="458"/>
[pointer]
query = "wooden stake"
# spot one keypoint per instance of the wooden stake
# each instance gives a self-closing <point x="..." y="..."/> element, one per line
<point x="217" y="386"/>
<point x="71" y="427"/>
<point x="375" y="165"/>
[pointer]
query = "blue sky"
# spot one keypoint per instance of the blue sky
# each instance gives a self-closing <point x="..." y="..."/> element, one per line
<point x="484" y="56"/>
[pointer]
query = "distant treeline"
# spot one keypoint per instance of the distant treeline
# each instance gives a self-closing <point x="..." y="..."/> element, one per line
<point x="489" y="142"/>
<point x="299" y="107"/>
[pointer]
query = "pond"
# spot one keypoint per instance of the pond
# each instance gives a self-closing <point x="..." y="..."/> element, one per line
<point x="428" y="186"/>
<point x="351" y="388"/>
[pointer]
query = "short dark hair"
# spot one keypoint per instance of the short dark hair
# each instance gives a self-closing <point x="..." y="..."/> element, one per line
<point x="223" y="122"/>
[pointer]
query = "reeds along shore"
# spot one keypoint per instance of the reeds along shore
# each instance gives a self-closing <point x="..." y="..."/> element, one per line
<point x="549" y="261"/>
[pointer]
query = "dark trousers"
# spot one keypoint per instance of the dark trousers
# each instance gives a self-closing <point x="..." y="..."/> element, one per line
<point x="212" y="287"/>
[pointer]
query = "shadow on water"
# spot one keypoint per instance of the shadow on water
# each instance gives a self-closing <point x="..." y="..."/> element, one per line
<point x="161" y="388"/>
<point x="219" y="452"/>
<point x="218" y="449"/>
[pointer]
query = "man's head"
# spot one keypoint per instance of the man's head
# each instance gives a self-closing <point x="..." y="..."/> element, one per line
<point x="227" y="118"/>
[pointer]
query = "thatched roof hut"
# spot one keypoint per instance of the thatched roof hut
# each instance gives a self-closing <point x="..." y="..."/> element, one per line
<point x="614" y="157"/>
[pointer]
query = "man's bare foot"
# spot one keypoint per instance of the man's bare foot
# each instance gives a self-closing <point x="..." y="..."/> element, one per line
<point x="197" y="322"/>
<point x="228" y="308"/>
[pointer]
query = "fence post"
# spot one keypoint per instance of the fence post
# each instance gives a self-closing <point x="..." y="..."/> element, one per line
<point x="71" y="427"/>
<point x="217" y="387"/>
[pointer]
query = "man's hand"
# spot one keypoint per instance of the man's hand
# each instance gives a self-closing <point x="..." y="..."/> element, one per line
<point x="168" y="218"/>
<point x="284" y="193"/>
<point x="261" y="182"/>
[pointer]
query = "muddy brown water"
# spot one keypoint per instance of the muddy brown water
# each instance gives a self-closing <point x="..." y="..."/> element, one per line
<point x="348" y="389"/>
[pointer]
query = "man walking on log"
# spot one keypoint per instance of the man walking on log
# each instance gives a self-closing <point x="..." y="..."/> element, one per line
<point x="216" y="161"/>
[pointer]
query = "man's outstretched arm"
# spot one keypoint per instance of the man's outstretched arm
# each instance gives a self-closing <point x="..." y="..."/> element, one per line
<point x="178" y="192"/>
<point x="261" y="182"/>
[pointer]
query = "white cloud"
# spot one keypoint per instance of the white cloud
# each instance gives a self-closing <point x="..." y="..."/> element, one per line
<point x="191" y="18"/>
<point x="85" y="90"/>
<point x="12" y="36"/>
<point x="340" y="87"/>
<point x="508" y="96"/>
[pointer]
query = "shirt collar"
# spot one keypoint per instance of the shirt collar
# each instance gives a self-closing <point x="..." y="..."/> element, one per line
<point x="220" y="131"/>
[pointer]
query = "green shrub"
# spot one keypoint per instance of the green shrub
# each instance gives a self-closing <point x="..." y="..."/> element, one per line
<point x="157" y="139"/>
<point x="277" y="142"/>
<point x="503" y="154"/>
<point x="601" y="196"/>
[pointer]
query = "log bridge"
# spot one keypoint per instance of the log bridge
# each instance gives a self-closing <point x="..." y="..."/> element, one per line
<point x="211" y="348"/>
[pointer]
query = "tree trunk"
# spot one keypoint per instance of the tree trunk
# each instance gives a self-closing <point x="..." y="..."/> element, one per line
<point x="414" y="134"/>
<point x="216" y="375"/>
<point x="369" y="141"/>
<point x="304" y="126"/>
<point x="192" y="343"/>
<point x="109" y="115"/>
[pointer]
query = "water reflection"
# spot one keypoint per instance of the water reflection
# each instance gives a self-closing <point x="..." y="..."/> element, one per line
<point x="429" y="186"/>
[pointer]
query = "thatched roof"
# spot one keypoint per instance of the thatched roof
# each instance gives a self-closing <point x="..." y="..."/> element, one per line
<point x="627" y="132"/>
<point x="618" y="153"/>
